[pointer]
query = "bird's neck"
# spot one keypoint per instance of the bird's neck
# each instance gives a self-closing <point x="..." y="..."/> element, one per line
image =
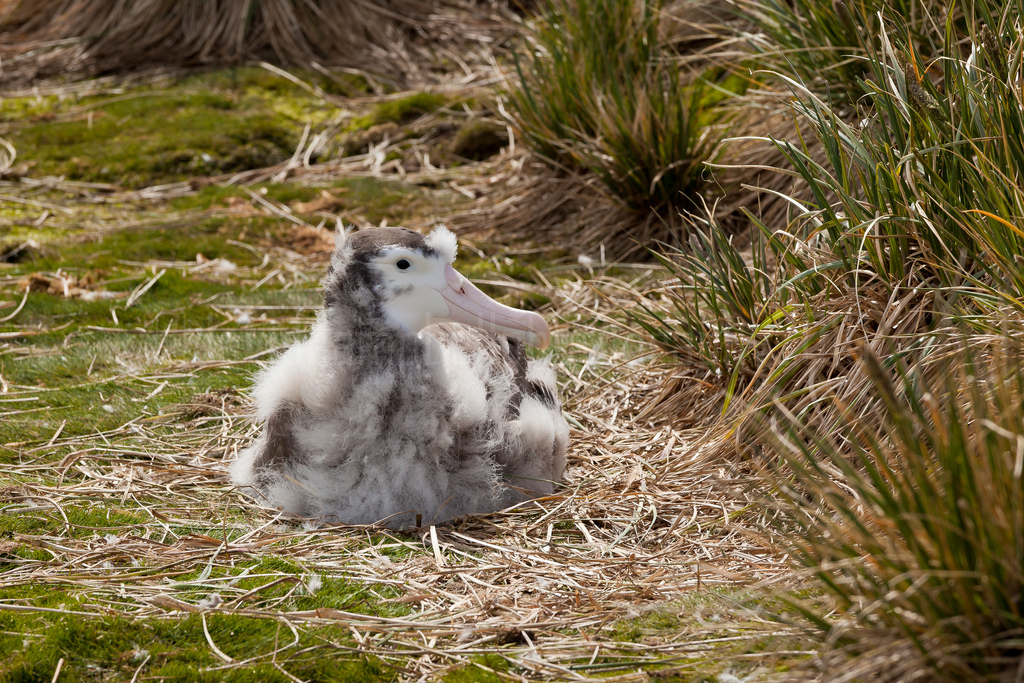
<point x="375" y="345"/>
<point x="397" y="377"/>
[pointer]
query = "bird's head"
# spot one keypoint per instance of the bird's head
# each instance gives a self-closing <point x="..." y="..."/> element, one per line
<point x="409" y="280"/>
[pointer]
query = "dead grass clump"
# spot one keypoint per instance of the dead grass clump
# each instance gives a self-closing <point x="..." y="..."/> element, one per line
<point x="588" y="99"/>
<point x="217" y="402"/>
<point x="527" y="201"/>
<point x="309" y="241"/>
<point x="101" y="36"/>
<point x="325" y="202"/>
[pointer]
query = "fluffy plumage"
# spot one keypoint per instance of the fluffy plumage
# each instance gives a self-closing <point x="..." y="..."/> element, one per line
<point x="391" y="413"/>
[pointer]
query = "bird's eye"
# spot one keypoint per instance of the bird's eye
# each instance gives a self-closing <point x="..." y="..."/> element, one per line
<point x="403" y="264"/>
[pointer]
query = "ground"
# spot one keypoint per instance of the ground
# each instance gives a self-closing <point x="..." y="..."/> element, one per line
<point x="159" y="242"/>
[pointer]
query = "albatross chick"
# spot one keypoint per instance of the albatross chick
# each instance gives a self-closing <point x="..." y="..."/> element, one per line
<point x="412" y="401"/>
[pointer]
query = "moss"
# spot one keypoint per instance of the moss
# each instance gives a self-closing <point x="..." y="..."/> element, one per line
<point x="84" y="520"/>
<point x="263" y="81"/>
<point x="212" y="123"/>
<point x="376" y="199"/>
<point x="654" y="622"/>
<point x="331" y="593"/>
<point x="220" y="196"/>
<point x="88" y="376"/>
<point x="479" y="139"/>
<point x="221" y="121"/>
<point x="208" y="197"/>
<point x="156" y="139"/>
<point x="112" y="395"/>
<point x="398" y="111"/>
<point x="380" y="199"/>
<point x="15" y="109"/>
<point x="483" y="669"/>
<point x="408" y="108"/>
<point x="171" y="650"/>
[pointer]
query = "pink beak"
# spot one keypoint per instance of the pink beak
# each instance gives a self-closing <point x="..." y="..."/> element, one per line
<point x="470" y="306"/>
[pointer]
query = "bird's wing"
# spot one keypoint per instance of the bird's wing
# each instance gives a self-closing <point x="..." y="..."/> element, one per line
<point x="506" y="355"/>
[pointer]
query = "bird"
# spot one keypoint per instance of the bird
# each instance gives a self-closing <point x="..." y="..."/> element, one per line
<point x="412" y="402"/>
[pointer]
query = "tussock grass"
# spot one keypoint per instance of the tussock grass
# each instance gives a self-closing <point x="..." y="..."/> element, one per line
<point x="909" y="227"/>
<point x="125" y="36"/>
<point x="597" y="91"/>
<point x="905" y="247"/>
<point x="830" y="46"/>
<point x="914" y="520"/>
<point x="949" y="220"/>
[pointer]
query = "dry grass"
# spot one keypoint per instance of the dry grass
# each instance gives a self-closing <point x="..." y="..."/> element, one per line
<point x="400" y="40"/>
<point x="646" y="517"/>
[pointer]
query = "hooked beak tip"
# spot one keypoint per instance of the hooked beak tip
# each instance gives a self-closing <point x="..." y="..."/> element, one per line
<point x="542" y="340"/>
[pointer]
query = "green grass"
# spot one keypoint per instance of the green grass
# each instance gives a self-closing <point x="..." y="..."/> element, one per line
<point x="827" y="46"/>
<point x="484" y="669"/>
<point x="260" y="578"/>
<point x="952" y="221"/>
<point x="920" y="200"/>
<point x="914" y="524"/>
<point x="747" y="652"/>
<point x="101" y="380"/>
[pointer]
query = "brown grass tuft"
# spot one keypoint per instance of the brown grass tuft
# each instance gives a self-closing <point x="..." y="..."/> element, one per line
<point x="42" y="39"/>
